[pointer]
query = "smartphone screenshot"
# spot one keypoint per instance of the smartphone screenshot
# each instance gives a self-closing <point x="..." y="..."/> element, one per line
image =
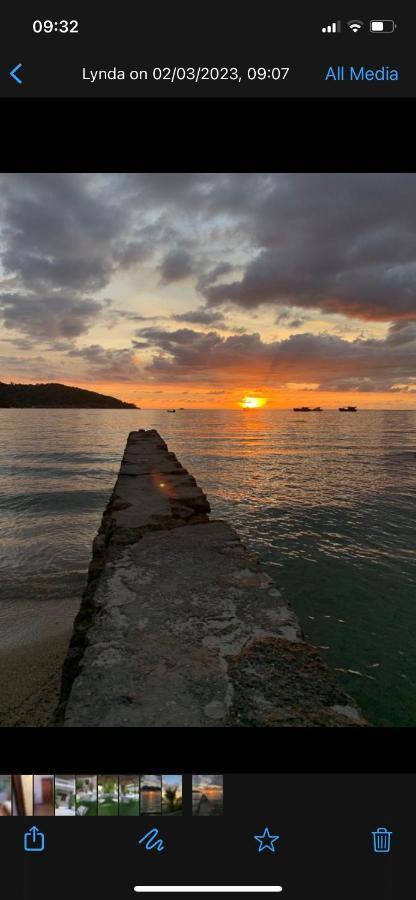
<point x="207" y="450"/>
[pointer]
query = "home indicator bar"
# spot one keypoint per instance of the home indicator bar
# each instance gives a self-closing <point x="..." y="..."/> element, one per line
<point x="208" y="889"/>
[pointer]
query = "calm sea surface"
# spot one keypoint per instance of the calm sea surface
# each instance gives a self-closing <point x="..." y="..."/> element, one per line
<point x="151" y="802"/>
<point x="206" y="804"/>
<point x="328" y="500"/>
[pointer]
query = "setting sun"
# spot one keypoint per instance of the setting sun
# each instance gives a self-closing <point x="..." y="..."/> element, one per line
<point x="253" y="402"/>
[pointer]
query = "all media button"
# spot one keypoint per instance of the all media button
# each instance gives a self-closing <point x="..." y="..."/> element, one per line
<point x="361" y="73"/>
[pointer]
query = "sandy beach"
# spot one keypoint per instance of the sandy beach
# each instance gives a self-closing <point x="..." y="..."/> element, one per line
<point x="32" y="652"/>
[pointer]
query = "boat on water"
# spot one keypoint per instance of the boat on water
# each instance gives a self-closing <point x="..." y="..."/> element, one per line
<point x="347" y="408"/>
<point x="171" y="410"/>
<point x="307" y="409"/>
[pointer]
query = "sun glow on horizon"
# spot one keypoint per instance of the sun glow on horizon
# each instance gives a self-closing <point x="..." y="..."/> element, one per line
<point x="249" y="402"/>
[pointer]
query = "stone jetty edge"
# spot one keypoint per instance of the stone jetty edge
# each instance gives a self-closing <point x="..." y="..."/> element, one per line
<point x="180" y="624"/>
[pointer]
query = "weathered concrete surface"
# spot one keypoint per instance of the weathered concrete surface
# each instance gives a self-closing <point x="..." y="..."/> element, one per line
<point x="180" y="625"/>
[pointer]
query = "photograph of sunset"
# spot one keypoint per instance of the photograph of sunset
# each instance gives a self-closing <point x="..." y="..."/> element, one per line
<point x="196" y="290"/>
<point x="207" y="795"/>
<point x="171" y="795"/>
<point x="264" y="327"/>
<point x="150" y="794"/>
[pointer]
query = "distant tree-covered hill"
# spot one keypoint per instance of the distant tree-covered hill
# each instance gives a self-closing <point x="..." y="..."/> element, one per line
<point x="57" y="396"/>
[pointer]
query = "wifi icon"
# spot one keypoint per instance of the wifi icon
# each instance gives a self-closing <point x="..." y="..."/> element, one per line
<point x="355" y="25"/>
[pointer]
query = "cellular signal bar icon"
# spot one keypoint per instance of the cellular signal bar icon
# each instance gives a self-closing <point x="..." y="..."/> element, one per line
<point x="333" y="28"/>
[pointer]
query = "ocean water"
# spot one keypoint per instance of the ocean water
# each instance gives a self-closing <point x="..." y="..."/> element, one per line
<point x="328" y="500"/>
<point x="151" y="802"/>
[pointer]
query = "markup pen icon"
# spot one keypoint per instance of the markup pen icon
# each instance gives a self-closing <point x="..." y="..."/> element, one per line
<point x="381" y="840"/>
<point x="152" y="841"/>
<point x="34" y="840"/>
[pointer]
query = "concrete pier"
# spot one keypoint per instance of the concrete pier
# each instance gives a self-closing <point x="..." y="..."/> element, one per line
<point x="180" y="625"/>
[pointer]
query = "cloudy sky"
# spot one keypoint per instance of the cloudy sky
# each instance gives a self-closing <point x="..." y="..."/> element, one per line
<point x="154" y="781"/>
<point x="194" y="290"/>
<point x="173" y="781"/>
<point x="204" y="782"/>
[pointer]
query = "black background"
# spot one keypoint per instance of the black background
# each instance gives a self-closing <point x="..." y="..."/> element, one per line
<point x="342" y="135"/>
<point x="210" y="750"/>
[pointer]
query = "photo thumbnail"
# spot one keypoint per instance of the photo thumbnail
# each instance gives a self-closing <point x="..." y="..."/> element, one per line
<point x="86" y="795"/>
<point x="171" y="795"/>
<point x="207" y="795"/>
<point x="22" y="795"/>
<point x="107" y="795"/>
<point x="129" y="795"/>
<point x="43" y="795"/>
<point x="150" y="794"/>
<point x="5" y="795"/>
<point x="65" y="795"/>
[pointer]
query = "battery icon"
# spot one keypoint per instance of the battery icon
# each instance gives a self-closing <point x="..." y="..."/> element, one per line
<point x="382" y="26"/>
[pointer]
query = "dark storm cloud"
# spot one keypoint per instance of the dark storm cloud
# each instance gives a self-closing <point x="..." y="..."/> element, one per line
<point x="48" y="318"/>
<point x="201" y="316"/>
<point x="355" y="231"/>
<point x="114" y="316"/>
<point x="21" y="343"/>
<point x="140" y="345"/>
<point x="365" y="385"/>
<point x="206" y="781"/>
<point x="135" y="317"/>
<point x="108" y="364"/>
<point x="192" y="193"/>
<point x="176" y="265"/>
<point x="322" y="359"/>
<point x="340" y="243"/>
<point x="374" y="292"/>
<point x="209" y="277"/>
<point x="401" y="333"/>
<point x="285" y="317"/>
<point x="66" y="231"/>
<point x="34" y="367"/>
<point x="147" y="781"/>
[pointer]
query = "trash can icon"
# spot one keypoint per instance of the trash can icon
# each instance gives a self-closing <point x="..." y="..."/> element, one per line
<point x="381" y="840"/>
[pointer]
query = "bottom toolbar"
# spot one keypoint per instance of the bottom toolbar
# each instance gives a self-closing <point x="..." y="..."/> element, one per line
<point x="330" y="836"/>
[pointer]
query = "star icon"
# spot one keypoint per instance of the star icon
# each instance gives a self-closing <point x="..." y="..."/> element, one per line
<point x="266" y="841"/>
